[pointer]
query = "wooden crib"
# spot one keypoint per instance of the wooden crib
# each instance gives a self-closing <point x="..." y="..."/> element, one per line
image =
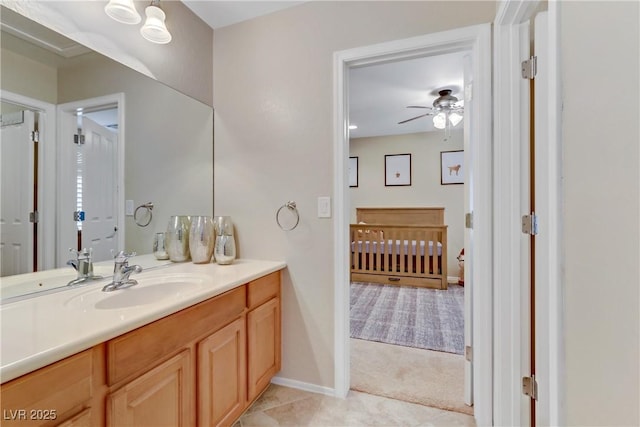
<point x="399" y="246"/>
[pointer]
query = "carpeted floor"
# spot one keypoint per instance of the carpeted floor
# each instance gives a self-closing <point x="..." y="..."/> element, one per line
<point x="430" y="378"/>
<point x="409" y="316"/>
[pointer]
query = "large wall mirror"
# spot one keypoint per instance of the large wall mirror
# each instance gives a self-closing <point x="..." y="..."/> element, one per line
<point x="105" y="135"/>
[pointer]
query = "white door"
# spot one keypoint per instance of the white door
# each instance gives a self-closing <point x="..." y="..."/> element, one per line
<point x="99" y="189"/>
<point x="17" y="163"/>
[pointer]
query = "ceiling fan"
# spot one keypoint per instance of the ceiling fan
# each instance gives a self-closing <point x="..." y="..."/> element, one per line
<point x="446" y="110"/>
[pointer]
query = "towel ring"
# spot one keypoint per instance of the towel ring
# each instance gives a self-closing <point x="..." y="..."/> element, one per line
<point x="291" y="206"/>
<point x="148" y="207"/>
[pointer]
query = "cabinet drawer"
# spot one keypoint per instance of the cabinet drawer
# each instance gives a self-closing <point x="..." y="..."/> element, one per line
<point x="49" y="393"/>
<point x="138" y="350"/>
<point x="263" y="289"/>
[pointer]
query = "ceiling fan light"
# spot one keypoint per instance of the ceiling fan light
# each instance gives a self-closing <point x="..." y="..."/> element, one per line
<point x="455" y="118"/>
<point x="440" y="120"/>
<point x="123" y="11"/>
<point x="154" y="28"/>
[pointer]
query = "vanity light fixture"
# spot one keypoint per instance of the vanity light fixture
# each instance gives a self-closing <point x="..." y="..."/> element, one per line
<point x="154" y="28"/>
<point x="123" y="11"/>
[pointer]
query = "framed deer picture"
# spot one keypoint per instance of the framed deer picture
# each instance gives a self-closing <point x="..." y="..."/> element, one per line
<point x="452" y="167"/>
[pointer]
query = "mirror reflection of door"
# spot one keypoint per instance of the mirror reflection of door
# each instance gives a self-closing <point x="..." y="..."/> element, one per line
<point x="18" y="157"/>
<point x="95" y="189"/>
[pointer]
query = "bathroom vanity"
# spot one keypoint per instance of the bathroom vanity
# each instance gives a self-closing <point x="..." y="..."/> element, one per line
<point x="199" y="357"/>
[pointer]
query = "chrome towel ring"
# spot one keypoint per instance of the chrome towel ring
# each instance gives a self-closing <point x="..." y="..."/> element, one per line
<point x="291" y="207"/>
<point x="148" y="207"/>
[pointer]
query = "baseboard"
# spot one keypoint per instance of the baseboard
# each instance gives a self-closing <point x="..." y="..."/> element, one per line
<point x="313" y="388"/>
<point x="453" y="279"/>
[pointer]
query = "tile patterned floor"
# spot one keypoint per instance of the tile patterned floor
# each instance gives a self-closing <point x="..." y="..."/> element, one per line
<point x="283" y="406"/>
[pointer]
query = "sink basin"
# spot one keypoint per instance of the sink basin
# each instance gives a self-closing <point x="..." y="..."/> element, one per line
<point x="150" y="289"/>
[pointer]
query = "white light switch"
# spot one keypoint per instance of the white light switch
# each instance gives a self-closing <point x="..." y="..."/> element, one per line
<point x="128" y="207"/>
<point x="324" y="207"/>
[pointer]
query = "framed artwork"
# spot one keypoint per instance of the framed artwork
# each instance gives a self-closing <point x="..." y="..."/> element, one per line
<point x="353" y="171"/>
<point x="397" y="169"/>
<point x="452" y="167"/>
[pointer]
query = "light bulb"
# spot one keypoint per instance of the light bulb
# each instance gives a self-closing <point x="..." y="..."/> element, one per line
<point x="440" y="120"/>
<point x="154" y="28"/>
<point x="455" y="118"/>
<point x="123" y="11"/>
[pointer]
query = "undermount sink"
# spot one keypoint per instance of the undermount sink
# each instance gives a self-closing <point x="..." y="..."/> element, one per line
<point x="150" y="289"/>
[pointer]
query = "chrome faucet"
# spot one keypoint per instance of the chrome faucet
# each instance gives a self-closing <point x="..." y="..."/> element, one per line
<point x="121" y="272"/>
<point x="83" y="265"/>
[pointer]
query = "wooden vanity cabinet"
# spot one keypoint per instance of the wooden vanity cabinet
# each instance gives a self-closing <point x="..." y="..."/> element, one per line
<point x="65" y="393"/>
<point x="263" y="333"/>
<point x="203" y="366"/>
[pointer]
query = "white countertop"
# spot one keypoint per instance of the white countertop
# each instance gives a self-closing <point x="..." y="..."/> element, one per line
<point x="37" y="331"/>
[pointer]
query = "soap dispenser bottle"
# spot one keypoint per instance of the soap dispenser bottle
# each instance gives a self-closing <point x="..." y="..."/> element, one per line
<point x="225" y="246"/>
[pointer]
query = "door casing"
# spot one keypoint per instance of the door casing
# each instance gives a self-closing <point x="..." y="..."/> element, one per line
<point x="477" y="41"/>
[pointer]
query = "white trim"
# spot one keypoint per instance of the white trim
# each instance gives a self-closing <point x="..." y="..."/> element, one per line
<point x="549" y="342"/>
<point x="511" y="41"/>
<point x="46" y="172"/>
<point x="64" y="170"/>
<point x="300" y="385"/>
<point x="477" y="40"/>
<point x="511" y="201"/>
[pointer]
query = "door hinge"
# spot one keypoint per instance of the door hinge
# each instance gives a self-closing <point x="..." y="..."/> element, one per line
<point x="34" y="217"/>
<point x="78" y="138"/>
<point x="530" y="224"/>
<point x="468" y="353"/>
<point x="35" y="136"/>
<point x="468" y="220"/>
<point x="530" y="68"/>
<point x="530" y="387"/>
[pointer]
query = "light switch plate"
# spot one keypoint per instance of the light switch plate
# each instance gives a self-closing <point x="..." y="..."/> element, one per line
<point x="324" y="207"/>
<point x="128" y="207"/>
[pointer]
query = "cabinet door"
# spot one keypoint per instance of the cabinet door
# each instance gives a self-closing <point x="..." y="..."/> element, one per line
<point x="161" y="397"/>
<point x="263" y="335"/>
<point x="222" y="375"/>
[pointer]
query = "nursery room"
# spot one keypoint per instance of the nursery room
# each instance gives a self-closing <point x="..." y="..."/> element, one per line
<point x="407" y="192"/>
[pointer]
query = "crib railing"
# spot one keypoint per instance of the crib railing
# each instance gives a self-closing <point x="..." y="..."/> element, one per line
<point x="399" y="250"/>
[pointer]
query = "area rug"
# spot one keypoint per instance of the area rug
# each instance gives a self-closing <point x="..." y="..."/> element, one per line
<point x="409" y="316"/>
<point x="430" y="378"/>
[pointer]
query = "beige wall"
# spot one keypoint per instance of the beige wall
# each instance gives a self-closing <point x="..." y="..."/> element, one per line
<point x="425" y="189"/>
<point x="599" y="50"/>
<point x="24" y="76"/>
<point x="274" y="142"/>
<point x="184" y="64"/>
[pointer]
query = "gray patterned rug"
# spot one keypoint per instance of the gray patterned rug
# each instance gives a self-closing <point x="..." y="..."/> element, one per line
<point x="413" y="317"/>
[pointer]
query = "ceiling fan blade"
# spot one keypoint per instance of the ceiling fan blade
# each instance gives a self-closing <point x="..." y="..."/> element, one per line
<point x="418" y="106"/>
<point x="413" y="118"/>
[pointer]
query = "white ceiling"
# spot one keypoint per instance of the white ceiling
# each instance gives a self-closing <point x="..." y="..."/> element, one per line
<point x="378" y="94"/>
<point x="219" y="14"/>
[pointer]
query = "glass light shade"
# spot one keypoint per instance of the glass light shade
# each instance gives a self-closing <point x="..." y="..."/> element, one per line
<point x="440" y="120"/>
<point x="123" y="11"/>
<point x="154" y="28"/>
<point x="455" y="118"/>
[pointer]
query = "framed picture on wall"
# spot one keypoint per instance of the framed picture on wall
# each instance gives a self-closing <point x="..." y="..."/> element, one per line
<point x="397" y="169"/>
<point x="452" y="167"/>
<point x="353" y="171"/>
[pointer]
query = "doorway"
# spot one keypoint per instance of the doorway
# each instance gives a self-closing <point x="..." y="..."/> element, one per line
<point x="407" y="340"/>
<point x="476" y="40"/>
<point x="36" y="196"/>
<point x="91" y="176"/>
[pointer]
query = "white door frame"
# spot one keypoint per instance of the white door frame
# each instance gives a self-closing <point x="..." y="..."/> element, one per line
<point x="477" y="40"/>
<point x="66" y="173"/>
<point x="46" y="173"/>
<point x="511" y="183"/>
